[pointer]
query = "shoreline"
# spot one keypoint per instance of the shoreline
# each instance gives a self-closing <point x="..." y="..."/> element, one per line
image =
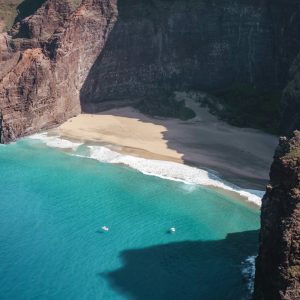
<point x="237" y="155"/>
<point x="203" y="151"/>
<point x="167" y="170"/>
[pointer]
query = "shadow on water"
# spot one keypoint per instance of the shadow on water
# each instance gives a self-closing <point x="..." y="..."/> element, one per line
<point x="186" y="270"/>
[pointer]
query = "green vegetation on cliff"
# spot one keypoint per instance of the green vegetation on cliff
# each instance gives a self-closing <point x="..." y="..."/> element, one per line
<point x="246" y="106"/>
<point x="239" y="105"/>
<point x="165" y="105"/>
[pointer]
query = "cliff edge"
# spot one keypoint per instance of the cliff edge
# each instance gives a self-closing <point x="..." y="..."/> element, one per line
<point x="278" y="262"/>
<point x="44" y="61"/>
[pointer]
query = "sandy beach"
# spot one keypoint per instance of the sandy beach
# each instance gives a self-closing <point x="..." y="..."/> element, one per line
<point x="240" y="156"/>
<point x="127" y="135"/>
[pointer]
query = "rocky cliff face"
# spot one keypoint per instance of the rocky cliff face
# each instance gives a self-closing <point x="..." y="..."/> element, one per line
<point x="291" y="100"/>
<point x="56" y="62"/>
<point x="44" y="61"/>
<point x="159" y="46"/>
<point x="278" y="262"/>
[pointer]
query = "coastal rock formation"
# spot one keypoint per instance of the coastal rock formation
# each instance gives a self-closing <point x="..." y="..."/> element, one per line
<point x="56" y="62"/>
<point x="278" y="262"/>
<point x="44" y="61"/>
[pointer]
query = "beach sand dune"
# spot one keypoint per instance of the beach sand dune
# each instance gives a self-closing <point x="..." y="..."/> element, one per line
<point x="241" y="156"/>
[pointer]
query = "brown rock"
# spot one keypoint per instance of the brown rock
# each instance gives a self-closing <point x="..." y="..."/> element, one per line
<point x="44" y="62"/>
<point x="155" y="48"/>
<point x="278" y="262"/>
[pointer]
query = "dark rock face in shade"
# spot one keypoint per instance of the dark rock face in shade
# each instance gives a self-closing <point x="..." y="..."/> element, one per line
<point x="159" y="46"/>
<point x="278" y="262"/>
<point x="290" y="119"/>
<point x="45" y="59"/>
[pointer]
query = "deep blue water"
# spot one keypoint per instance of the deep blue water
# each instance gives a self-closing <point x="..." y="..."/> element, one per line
<point x="52" y="206"/>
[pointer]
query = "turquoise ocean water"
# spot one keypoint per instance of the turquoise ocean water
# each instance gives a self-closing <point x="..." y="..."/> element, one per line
<point x="52" y="208"/>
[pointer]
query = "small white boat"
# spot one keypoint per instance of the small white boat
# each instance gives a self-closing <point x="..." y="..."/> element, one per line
<point x="105" y="228"/>
<point x="172" y="230"/>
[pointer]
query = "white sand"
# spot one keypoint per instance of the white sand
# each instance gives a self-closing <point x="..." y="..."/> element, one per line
<point x="134" y="136"/>
<point x="241" y="156"/>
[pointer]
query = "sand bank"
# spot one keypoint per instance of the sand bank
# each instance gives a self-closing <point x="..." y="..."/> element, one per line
<point x="240" y="156"/>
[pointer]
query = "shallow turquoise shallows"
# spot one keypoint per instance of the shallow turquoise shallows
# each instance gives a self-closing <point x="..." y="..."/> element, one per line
<point x="52" y="208"/>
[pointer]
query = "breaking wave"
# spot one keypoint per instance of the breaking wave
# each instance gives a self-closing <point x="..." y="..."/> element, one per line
<point x="163" y="169"/>
<point x="55" y="141"/>
<point x="172" y="171"/>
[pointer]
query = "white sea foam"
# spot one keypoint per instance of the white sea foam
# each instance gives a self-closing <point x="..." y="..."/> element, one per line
<point x="163" y="169"/>
<point x="248" y="271"/>
<point x="189" y="187"/>
<point x="55" y="141"/>
<point x="172" y="171"/>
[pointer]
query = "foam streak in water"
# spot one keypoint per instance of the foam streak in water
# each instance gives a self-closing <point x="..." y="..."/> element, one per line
<point x="163" y="169"/>
<point x="55" y="141"/>
<point x="248" y="271"/>
<point x="171" y="171"/>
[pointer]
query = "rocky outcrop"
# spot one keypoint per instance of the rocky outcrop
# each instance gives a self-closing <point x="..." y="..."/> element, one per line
<point x="44" y="62"/>
<point x="278" y="262"/>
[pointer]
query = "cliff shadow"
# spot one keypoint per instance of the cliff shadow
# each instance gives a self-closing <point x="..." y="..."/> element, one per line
<point x="188" y="270"/>
<point x="239" y="156"/>
<point x="142" y="54"/>
<point x="133" y="66"/>
<point x="191" y="45"/>
<point x="108" y="83"/>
